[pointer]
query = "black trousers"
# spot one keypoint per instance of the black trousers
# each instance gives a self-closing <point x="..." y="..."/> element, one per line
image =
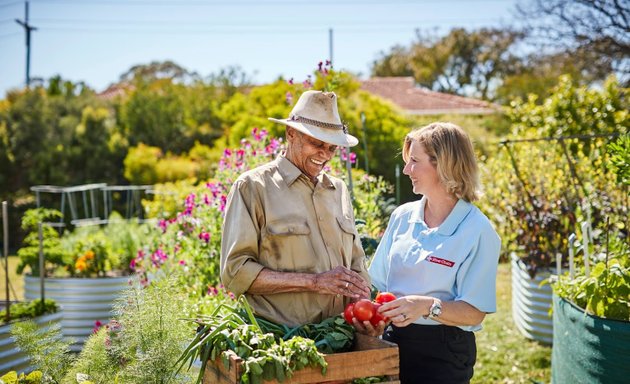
<point x="434" y="353"/>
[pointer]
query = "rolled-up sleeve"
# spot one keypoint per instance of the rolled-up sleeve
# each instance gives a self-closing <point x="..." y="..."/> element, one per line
<point x="239" y="241"/>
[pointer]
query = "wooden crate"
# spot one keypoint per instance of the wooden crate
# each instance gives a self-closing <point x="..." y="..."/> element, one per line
<point x="370" y="357"/>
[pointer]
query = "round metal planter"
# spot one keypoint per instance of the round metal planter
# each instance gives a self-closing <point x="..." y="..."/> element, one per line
<point x="12" y="359"/>
<point x="531" y="303"/>
<point x="84" y="300"/>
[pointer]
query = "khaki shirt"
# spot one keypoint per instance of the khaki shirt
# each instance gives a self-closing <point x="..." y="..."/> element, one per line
<point x="276" y="218"/>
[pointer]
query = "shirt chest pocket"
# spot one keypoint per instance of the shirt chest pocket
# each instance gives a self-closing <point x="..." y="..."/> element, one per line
<point x="286" y="246"/>
<point x="347" y="233"/>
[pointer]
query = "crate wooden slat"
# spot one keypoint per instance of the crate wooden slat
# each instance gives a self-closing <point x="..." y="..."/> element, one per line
<point x="370" y="357"/>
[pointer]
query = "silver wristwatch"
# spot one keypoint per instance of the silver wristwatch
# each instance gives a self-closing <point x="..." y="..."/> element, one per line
<point x="435" y="310"/>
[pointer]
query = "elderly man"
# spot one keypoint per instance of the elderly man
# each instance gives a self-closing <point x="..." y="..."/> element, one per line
<point x="289" y="240"/>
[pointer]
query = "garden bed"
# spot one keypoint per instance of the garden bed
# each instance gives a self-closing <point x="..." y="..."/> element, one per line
<point x="370" y="357"/>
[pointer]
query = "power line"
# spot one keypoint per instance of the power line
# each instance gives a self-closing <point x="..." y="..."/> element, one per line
<point x="275" y="24"/>
<point x="255" y="3"/>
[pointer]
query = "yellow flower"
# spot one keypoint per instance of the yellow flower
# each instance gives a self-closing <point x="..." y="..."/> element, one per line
<point x="80" y="265"/>
<point x="89" y="255"/>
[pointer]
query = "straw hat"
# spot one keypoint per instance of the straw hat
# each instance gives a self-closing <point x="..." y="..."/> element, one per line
<point x="316" y="115"/>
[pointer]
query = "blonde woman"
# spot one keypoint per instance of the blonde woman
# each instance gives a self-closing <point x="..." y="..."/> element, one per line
<point x="439" y="256"/>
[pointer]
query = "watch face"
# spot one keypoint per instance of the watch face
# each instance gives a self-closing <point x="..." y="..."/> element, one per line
<point x="436" y="309"/>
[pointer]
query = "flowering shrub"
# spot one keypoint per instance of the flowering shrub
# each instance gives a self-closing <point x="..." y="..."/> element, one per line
<point x="96" y="251"/>
<point x="191" y="239"/>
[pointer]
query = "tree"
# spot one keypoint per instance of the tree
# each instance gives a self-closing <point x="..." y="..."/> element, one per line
<point x="158" y="70"/>
<point x="599" y="28"/>
<point x="462" y="62"/>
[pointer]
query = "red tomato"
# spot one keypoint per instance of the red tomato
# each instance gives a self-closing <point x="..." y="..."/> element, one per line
<point x="384" y="297"/>
<point x="377" y="317"/>
<point x="363" y="310"/>
<point x="347" y="313"/>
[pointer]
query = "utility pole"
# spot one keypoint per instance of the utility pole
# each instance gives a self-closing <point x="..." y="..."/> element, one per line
<point x="27" y="28"/>
<point x="330" y="46"/>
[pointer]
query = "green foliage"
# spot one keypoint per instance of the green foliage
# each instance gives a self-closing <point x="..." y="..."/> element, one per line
<point x="572" y="110"/>
<point x="537" y="191"/>
<point x="143" y="341"/>
<point x="54" y="254"/>
<point x="235" y="330"/>
<point x="619" y="162"/>
<point x="140" y="164"/>
<point x="28" y="310"/>
<point x="606" y="291"/>
<point x="12" y="377"/>
<point x="98" y="251"/>
<point x="43" y="134"/>
<point x="47" y="351"/>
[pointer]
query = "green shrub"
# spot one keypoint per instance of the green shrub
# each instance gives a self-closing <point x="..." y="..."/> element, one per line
<point x="145" y="338"/>
<point x="54" y="255"/>
<point x="28" y="310"/>
<point x="45" y="347"/>
<point x="538" y="189"/>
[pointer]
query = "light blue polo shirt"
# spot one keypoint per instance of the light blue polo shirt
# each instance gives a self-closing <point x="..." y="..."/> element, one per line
<point x="456" y="261"/>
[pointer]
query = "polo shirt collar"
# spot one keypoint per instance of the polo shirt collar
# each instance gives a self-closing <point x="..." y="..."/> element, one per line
<point x="290" y="173"/>
<point x="448" y="227"/>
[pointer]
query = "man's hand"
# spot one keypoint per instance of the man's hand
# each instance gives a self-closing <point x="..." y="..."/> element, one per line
<point x="342" y="281"/>
<point x="367" y="328"/>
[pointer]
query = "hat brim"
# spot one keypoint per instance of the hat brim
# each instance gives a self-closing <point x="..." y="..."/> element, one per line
<point x="330" y="136"/>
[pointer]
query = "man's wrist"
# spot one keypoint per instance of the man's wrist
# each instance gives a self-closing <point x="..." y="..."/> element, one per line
<point x="314" y="282"/>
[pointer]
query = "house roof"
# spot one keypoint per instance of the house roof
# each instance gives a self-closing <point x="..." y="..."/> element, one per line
<point x="115" y="90"/>
<point x="403" y="92"/>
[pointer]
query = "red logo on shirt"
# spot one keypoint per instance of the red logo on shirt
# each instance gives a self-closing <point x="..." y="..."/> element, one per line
<point x="437" y="260"/>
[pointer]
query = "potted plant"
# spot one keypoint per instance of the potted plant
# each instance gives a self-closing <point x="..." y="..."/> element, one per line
<point x="43" y="314"/>
<point x="84" y="269"/>
<point x="591" y="319"/>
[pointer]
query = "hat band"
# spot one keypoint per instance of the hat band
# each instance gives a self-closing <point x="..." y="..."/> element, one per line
<point x="317" y="123"/>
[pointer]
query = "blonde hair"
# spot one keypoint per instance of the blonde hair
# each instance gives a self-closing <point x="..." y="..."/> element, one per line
<point x="451" y="150"/>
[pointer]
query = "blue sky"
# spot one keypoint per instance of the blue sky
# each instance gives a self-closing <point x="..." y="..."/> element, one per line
<point x="96" y="41"/>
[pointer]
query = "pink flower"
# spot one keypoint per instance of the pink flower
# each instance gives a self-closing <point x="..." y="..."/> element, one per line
<point x="182" y="262"/>
<point x="205" y="236"/>
<point x="223" y="202"/>
<point x="163" y="224"/>
<point x="97" y="326"/>
<point x="289" y="97"/>
<point x="290" y="81"/>
<point x="212" y="291"/>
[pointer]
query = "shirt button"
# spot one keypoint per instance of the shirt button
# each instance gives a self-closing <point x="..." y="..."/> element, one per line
<point x="321" y="218"/>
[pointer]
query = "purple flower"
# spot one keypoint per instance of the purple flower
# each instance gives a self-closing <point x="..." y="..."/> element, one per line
<point x="289" y="98"/>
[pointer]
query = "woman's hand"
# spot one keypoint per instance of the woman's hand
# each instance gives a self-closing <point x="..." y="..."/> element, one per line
<point x="407" y="309"/>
